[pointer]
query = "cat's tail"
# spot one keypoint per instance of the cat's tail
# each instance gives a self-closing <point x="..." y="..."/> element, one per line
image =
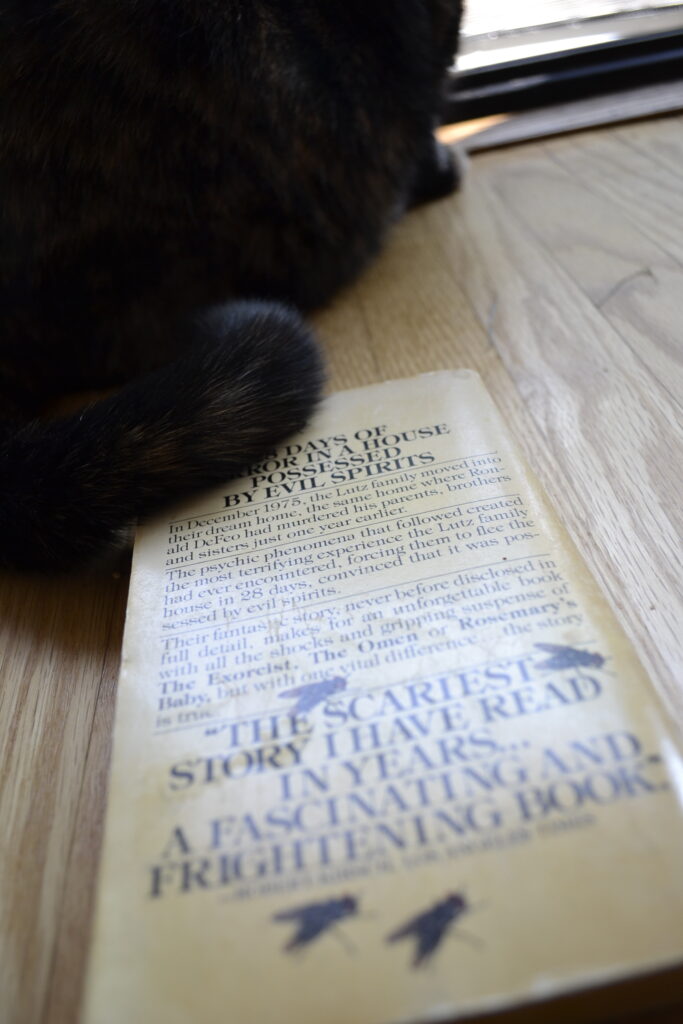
<point x="72" y="488"/>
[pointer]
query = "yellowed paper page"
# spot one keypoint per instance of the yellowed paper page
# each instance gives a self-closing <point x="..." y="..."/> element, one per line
<point x="381" y="751"/>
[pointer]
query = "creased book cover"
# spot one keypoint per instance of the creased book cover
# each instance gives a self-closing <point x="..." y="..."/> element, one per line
<point x="381" y="752"/>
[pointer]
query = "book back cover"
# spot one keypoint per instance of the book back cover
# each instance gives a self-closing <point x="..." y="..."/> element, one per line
<point x="382" y="753"/>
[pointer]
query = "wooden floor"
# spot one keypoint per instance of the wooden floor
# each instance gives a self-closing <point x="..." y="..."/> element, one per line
<point x="557" y="273"/>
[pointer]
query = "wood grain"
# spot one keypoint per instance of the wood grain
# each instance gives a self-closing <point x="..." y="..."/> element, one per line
<point x="557" y="274"/>
<point x="612" y="431"/>
<point x="60" y="647"/>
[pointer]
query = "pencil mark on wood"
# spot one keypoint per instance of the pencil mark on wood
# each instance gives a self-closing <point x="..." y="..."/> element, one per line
<point x="624" y="283"/>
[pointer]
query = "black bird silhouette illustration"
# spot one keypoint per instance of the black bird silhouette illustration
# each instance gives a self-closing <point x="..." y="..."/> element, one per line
<point x="430" y="927"/>
<point x="312" y="920"/>
<point x="311" y="694"/>
<point x="568" y="657"/>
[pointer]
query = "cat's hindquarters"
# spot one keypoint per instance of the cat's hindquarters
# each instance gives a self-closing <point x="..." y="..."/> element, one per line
<point x="73" y="487"/>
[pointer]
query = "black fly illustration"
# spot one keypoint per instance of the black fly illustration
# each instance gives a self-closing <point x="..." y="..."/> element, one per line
<point x="311" y="694"/>
<point x="315" y="919"/>
<point x="431" y="927"/>
<point x="568" y="657"/>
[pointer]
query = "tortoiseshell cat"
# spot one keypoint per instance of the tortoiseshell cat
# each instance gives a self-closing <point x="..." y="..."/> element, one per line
<point x="160" y="159"/>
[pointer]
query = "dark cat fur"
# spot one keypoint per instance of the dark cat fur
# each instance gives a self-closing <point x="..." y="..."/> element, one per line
<point x="159" y="158"/>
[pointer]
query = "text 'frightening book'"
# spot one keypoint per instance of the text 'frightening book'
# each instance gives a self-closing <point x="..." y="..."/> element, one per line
<point x="382" y="753"/>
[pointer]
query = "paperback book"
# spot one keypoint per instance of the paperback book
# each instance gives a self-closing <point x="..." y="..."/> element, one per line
<point x="382" y="753"/>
